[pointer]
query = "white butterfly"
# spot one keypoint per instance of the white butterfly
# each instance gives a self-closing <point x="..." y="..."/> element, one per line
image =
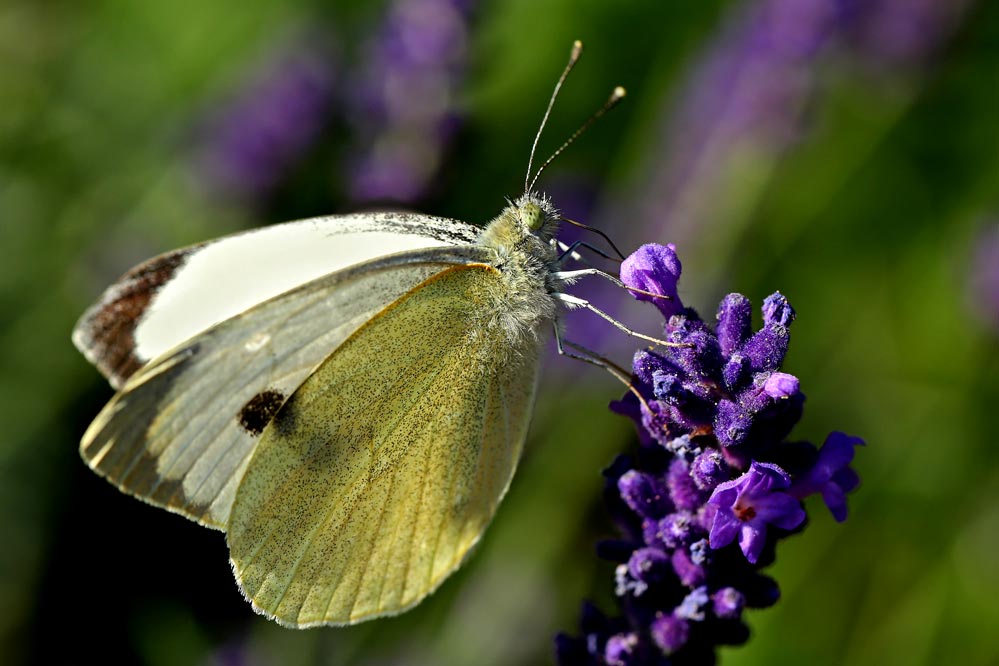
<point x="346" y="397"/>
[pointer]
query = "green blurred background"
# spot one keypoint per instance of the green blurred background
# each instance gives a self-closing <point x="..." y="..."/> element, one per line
<point x="846" y="153"/>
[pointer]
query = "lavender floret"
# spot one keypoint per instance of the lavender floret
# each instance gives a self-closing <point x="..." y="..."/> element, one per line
<point x="735" y="319"/>
<point x="656" y="269"/>
<point x="745" y="506"/>
<point x="831" y="475"/>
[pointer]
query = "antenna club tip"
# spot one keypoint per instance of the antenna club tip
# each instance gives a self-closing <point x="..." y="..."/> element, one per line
<point x="619" y="93"/>
<point x="577" y="45"/>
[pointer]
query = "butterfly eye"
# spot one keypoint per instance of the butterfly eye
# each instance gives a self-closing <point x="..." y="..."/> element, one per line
<point x="530" y="215"/>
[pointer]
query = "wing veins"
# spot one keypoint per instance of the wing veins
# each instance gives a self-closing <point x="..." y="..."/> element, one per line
<point x="204" y="416"/>
<point x="416" y="521"/>
<point x="451" y="490"/>
<point x="234" y="376"/>
<point x="233" y="441"/>
<point x="347" y="492"/>
<point x="300" y="472"/>
<point x="301" y="556"/>
<point x="394" y="427"/>
<point x="385" y="572"/>
<point x="137" y="455"/>
<point x="219" y="458"/>
<point x="96" y="460"/>
<point x="371" y="552"/>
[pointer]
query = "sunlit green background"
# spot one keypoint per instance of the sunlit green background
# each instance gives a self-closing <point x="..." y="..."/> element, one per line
<point x="873" y="217"/>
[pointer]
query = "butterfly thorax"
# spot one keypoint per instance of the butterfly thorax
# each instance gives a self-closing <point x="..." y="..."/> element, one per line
<point x="521" y="237"/>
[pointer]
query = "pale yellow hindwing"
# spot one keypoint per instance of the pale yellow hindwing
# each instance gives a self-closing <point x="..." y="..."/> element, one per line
<point x="380" y="473"/>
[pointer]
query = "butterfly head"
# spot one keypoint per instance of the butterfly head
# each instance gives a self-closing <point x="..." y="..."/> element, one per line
<point x="537" y="215"/>
<point x="524" y="228"/>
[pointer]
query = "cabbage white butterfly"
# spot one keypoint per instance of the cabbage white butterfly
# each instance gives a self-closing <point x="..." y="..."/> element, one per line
<point x="346" y="397"/>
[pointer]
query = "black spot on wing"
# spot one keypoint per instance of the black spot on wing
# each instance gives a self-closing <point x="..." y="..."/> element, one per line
<point x="260" y="410"/>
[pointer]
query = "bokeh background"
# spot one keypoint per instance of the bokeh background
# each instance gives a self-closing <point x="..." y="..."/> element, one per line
<point x="845" y="152"/>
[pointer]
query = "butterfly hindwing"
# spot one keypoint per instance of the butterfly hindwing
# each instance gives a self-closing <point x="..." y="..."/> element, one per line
<point x="171" y="298"/>
<point x="376" y="478"/>
<point x="182" y="428"/>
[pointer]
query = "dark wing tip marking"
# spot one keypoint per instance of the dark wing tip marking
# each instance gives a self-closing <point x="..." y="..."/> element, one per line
<point x="106" y="332"/>
<point x="260" y="410"/>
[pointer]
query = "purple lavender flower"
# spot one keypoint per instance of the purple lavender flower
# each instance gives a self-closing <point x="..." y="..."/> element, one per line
<point x="781" y="385"/>
<point x="644" y="494"/>
<point x="745" y="506"/>
<point x="831" y="474"/>
<point x="713" y="466"/>
<point x="654" y="268"/>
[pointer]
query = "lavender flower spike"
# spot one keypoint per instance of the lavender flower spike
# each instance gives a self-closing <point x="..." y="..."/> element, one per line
<point x="746" y="505"/>
<point x="831" y="474"/>
<point x="713" y="422"/>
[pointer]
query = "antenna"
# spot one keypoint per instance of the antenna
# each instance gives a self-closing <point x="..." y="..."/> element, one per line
<point x="616" y="96"/>
<point x="577" y="49"/>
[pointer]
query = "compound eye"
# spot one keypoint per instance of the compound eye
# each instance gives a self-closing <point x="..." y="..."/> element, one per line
<point x="531" y="216"/>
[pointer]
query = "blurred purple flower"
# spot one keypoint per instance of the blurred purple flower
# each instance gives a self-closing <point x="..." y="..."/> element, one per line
<point x="669" y="633"/>
<point x="749" y="96"/>
<point x="713" y="414"/>
<point x="728" y="603"/>
<point x="402" y="106"/>
<point x="901" y="34"/>
<point x="621" y="649"/>
<point x="250" y="141"/>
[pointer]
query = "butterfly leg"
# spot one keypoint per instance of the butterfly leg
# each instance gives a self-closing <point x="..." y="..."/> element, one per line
<point x="593" y="358"/>
<point x="572" y="275"/>
<point x="589" y="356"/>
<point x="576" y="302"/>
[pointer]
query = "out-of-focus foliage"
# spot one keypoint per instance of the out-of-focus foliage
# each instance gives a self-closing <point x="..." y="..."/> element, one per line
<point x="861" y="178"/>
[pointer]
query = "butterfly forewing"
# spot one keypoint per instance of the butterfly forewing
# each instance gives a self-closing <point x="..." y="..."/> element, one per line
<point x="383" y="469"/>
<point x="170" y="299"/>
<point x="180" y="432"/>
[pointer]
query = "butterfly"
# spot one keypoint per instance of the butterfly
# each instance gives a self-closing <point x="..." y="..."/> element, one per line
<point x="346" y="397"/>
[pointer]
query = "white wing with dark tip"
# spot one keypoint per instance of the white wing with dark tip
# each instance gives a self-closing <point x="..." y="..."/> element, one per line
<point x="171" y="298"/>
<point x="181" y="430"/>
